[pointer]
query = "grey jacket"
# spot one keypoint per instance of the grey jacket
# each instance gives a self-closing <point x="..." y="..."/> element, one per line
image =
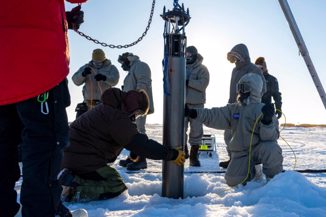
<point x="139" y="77"/>
<point x="250" y="139"/>
<point x="93" y="89"/>
<point x="241" y="120"/>
<point x="241" y="69"/>
<point x="198" y="77"/>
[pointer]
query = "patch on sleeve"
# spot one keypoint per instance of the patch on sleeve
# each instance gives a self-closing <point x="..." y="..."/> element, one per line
<point x="236" y="116"/>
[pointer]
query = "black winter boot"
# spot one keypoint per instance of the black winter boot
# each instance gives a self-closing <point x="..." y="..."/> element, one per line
<point x="67" y="180"/>
<point x="125" y="162"/>
<point x="140" y="164"/>
<point x="194" y="162"/>
<point x="224" y="164"/>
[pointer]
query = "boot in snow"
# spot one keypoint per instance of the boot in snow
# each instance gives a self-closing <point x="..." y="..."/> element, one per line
<point x="224" y="164"/>
<point x="194" y="162"/>
<point x="67" y="181"/>
<point x="140" y="164"/>
<point x="125" y="162"/>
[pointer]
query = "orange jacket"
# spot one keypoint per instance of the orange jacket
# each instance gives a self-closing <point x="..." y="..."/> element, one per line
<point x="34" y="53"/>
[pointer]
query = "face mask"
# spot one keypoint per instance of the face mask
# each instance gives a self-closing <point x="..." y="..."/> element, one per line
<point x="125" y="63"/>
<point x="243" y="98"/>
<point x="243" y="90"/>
<point x="126" y="66"/>
<point x="262" y="68"/>
<point x="97" y="64"/>
<point x="190" y="59"/>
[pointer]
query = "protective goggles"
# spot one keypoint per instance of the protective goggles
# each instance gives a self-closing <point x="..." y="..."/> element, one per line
<point x="243" y="88"/>
<point x="234" y="57"/>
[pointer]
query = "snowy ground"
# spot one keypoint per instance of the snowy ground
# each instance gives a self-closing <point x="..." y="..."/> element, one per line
<point x="206" y="194"/>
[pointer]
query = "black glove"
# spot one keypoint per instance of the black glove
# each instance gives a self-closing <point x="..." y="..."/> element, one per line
<point x="268" y="113"/>
<point x="86" y="71"/>
<point x="187" y="83"/>
<point x="75" y="17"/>
<point x="100" y="77"/>
<point x="191" y="113"/>
<point x="278" y="113"/>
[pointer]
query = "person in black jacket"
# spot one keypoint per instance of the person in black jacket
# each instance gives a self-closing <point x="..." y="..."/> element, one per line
<point x="98" y="137"/>
<point x="272" y="87"/>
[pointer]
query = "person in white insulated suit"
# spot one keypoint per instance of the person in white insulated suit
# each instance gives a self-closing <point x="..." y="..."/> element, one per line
<point x="254" y="128"/>
<point x="97" y="76"/>
<point x="138" y="78"/>
<point x="197" y="80"/>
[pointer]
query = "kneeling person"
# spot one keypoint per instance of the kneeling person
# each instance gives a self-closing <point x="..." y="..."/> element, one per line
<point x="98" y="137"/>
<point x="254" y="129"/>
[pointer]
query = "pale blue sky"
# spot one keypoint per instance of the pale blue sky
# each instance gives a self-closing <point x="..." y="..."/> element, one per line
<point x="215" y="27"/>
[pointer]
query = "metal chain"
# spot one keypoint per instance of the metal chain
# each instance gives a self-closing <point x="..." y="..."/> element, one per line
<point x="121" y="46"/>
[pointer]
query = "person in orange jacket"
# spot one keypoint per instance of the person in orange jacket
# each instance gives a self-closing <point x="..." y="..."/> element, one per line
<point x="34" y="60"/>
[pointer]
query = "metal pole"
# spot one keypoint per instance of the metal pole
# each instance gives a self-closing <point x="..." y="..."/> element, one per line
<point x="174" y="97"/>
<point x="303" y="49"/>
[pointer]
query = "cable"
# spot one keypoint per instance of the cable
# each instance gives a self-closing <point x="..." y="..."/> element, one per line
<point x="295" y="156"/>
<point x="223" y="171"/>
<point x="250" y="148"/>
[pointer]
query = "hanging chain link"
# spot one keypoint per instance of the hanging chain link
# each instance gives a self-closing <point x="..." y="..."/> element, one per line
<point x="126" y="45"/>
